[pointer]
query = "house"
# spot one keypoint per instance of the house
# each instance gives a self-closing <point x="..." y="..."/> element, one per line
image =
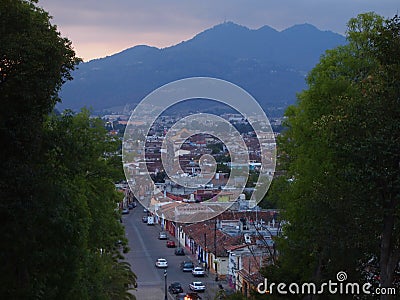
<point x="244" y="264"/>
<point x="211" y="240"/>
<point x="209" y="245"/>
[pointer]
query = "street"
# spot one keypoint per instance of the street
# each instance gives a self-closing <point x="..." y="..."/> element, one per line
<point x="145" y="249"/>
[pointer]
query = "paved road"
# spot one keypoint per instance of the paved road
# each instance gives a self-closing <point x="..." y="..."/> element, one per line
<point x="145" y="248"/>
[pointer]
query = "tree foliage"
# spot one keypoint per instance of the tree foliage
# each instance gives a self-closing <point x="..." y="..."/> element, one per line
<point x="61" y="237"/>
<point x="79" y="150"/>
<point x="341" y="153"/>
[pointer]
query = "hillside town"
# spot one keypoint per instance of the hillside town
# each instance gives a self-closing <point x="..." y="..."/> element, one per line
<point x="232" y="246"/>
<point x="200" y="150"/>
<point x="230" y="237"/>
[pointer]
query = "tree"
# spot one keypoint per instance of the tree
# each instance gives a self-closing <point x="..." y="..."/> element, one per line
<point x="386" y="87"/>
<point x="34" y="62"/>
<point x="271" y="199"/>
<point x="341" y="156"/>
<point x="61" y="236"/>
<point x="80" y="152"/>
<point x="375" y="150"/>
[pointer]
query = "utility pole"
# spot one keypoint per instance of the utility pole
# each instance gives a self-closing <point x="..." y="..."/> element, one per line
<point x="165" y="285"/>
<point x="215" y="250"/>
<point x="179" y="235"/>
<point x="205" y="246"/>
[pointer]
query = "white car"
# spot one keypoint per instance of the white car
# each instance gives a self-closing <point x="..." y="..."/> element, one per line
<point x="150" y="220"/>
<point x="161" y="263"/>
<point x="197" y="286"/>
<point x="162" y="235"/>
<point x="198" y="271"/>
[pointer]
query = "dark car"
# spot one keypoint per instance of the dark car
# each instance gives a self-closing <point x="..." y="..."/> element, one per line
<point x="193" y="295"/>
<point x="175" y="288"/>
<point x="179" y="251"/>
<point x="189" y="296"/>
<point x="187" y="266"/>
<point x="144" y="219"/>
<point x="180" y="296"/>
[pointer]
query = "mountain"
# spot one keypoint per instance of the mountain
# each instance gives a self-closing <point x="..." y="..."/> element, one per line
<point x="271" y="65"/>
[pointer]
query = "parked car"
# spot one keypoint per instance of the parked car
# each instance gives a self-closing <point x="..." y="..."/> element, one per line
<point x="144" y="219"/>
<point x="125" y="211"/>
<point x="130" y="206"/>
<point x="193" y="296"/>
<point x="175" y="288"/>
<point x="187" y="266"/>
<point x="171" y="244"/>
<point x="198" y="271"/>
<point x="179" y="251"/>
<point x="188" y="296"/>
<point x="150" y="220"/>
<point x="145" y="210"/>
<point x="162" y="235"/>
<point x="180" y="296"/>
<point x="161" y="263"/>
<point x="197" y="286"/>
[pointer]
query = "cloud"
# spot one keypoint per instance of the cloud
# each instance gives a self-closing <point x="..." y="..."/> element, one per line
<point x="99" y="27"/>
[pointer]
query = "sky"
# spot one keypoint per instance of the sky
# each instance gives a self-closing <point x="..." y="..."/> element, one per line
<point x="98" y="28"/>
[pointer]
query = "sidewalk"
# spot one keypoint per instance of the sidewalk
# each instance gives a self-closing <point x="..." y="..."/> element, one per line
<point x="212" y="286"/>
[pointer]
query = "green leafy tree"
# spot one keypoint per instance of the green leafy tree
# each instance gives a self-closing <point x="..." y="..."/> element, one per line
<point x="341" y="156"/>
<point x="271" y="199"/>
<point x="34" y="62"/>
<point x="80" y="152"/>
<point x="374" y="149"/>
<point x="215" y="148"/>
<point x="61" y="236"/>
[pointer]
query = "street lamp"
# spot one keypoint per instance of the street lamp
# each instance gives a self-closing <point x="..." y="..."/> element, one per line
<point x="165" y="285"/>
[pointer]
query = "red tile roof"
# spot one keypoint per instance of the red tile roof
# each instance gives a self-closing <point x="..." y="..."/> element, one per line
<point x="203" y="234"/>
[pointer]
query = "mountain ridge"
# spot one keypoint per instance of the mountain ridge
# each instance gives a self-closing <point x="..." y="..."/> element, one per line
<point x="269" y="64"/>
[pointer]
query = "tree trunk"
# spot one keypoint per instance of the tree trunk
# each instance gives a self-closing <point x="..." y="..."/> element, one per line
<point x="390" y="254"/>
<point x="316" y="276"/>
